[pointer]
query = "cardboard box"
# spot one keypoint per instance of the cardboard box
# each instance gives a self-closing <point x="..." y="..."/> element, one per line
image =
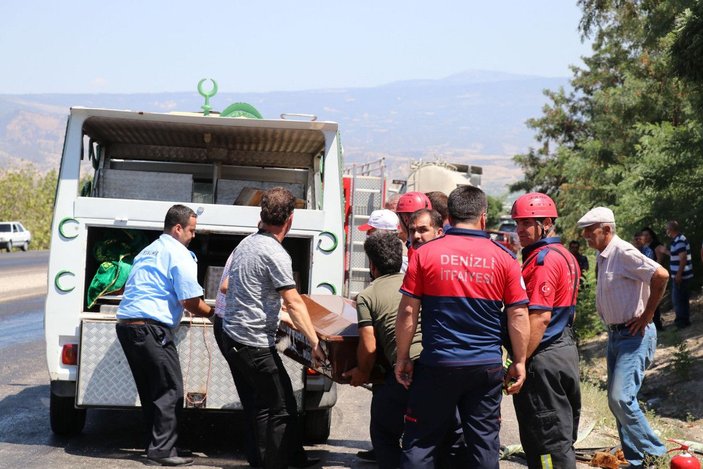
<point x="252" y="196"/>
<point x="334" y="319"/>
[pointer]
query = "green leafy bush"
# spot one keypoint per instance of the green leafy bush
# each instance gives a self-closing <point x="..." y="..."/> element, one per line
<point x="588" y="323"/>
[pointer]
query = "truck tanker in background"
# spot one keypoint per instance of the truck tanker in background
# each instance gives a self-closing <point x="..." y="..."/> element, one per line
<point x="428" y="176"/>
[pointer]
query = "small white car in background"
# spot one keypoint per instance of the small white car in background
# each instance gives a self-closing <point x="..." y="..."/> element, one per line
<point x="13" y="234"/>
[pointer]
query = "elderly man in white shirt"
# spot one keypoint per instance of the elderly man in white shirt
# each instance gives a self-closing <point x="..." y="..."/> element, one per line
<point x="630" y="286"/>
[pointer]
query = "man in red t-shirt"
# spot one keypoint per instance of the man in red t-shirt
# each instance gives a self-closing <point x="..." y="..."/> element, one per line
<point x="462" y="281"/>
<point x="549" y="405"/>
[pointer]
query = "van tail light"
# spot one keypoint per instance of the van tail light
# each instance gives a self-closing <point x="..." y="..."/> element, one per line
<point x="311" y="372"/>
<point x="69" y="354"/>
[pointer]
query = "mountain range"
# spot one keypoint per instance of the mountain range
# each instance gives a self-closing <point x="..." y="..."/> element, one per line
<point x="474" y="117"/>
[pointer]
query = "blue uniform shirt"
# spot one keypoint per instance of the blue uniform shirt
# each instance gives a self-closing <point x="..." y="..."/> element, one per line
<point x="163" y="274"/>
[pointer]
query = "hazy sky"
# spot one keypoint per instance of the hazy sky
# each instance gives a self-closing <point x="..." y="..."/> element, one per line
<point x="127" y="46"/>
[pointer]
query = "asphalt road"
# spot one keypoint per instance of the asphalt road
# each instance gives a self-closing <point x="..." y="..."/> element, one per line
<point x="113" y="438"/>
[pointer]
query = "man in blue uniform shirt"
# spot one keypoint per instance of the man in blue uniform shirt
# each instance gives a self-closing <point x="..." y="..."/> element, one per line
<point x="163" y="281"/>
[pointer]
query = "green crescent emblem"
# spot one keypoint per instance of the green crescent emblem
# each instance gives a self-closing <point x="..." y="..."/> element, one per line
<point x="207" y="95"/>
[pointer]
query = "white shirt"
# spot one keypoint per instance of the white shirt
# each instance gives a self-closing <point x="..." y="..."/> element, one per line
<point x="624" y="276"/>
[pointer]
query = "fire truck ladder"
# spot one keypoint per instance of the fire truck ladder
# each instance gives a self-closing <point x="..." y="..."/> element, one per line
<point x="368" y="185"/>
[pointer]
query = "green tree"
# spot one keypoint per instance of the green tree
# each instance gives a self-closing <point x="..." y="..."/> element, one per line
<point x="28" y="196"/>
<point x="628" y="133"/>
<point x="495" y="210"/>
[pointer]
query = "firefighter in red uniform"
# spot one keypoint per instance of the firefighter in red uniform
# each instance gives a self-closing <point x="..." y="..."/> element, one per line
<point x="549" y="404"/>
<point x="409" y="203"/>
<point x="463" y="281"/>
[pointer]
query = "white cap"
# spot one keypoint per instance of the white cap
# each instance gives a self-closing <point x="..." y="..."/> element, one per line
<point x="382" y="219"/>
<point x="596" y="215"/>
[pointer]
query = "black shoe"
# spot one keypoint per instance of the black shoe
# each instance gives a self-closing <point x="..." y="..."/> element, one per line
<point x="307" y="462"/>
<point x="369" y="455"/>
<point x="170" y="461"/>
<point x="682" y="324"/>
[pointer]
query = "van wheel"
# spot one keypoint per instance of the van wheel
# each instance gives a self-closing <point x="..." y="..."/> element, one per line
<point x="25" y="246"/>
<point x="9" y="246"/>
<point x="65" y="418"/>
<point x="316" y="425"/>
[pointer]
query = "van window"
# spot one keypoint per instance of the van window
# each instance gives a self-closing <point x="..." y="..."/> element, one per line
<point x="5" y="228"/>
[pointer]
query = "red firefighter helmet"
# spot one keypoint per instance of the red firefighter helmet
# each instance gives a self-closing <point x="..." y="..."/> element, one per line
<point x="534" y="205"/>
<point x="412" y="201"/>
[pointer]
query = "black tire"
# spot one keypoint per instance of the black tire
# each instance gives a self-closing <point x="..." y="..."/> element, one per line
<point x="9" y="246"/>
<point x="25" y="246"/>
<point x="316" y="425"/>
<point x="65" y="418"/>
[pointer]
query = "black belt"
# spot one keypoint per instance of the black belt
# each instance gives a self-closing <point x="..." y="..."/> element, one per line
<point x="617" y="327"/>
<point x="140" y="322"/>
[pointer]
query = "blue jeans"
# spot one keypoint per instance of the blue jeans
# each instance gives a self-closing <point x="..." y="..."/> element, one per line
<point x="680" y="298"/>
<point x="628" y="357"/>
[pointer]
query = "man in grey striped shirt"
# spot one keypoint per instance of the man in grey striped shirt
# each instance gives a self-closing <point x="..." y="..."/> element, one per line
<point x="629" y="288"/>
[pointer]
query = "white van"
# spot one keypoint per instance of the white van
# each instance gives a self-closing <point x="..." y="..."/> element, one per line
<point x="14" y="234"/>
<point x="143" y="163"/>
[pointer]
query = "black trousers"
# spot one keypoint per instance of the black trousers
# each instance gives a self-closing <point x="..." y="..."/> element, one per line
<point x="278" y="431"/>
<point x="247" y="396"/>
<point x="435" y="396"/>
<point x="388" y="406"/>
<point x="153" y="359"/>
<point x="548" y="406"/>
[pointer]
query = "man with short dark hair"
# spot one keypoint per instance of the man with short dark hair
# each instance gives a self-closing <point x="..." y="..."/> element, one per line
<point x="462" y="281"/>
<point x="261" y="275"/>
<point x="424" y="225"/>
<point x="163" y="280"/>
<point x="575" y="250"/>
<point x="681" y="269"/>
<point x="439" y="203"/>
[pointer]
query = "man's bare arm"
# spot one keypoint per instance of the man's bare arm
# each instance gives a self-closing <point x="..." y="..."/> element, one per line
<point x="657" y="286"/>
<point x="224" y="285"/>
<point x="365" y="357"/>
<point x="198" y="307"/>
<point x="519" y="333"/>
<point x="683" y="259"/>
<point x="539" y="320"/>
<point x="405" y="327"/>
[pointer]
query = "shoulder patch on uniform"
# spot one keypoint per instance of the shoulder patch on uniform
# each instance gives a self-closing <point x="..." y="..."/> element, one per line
<point x="545" y="288"/>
